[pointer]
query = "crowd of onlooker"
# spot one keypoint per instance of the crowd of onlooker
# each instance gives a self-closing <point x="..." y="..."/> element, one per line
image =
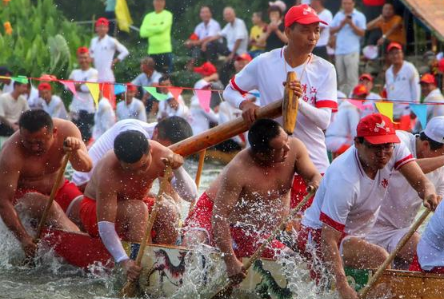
<point x="216" y="53"/>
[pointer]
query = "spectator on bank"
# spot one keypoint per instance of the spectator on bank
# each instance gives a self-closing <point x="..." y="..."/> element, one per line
<point x="12" y="105"/>
<point x="172" y="106"/>
<point x="326" y="16"/>
<point x="156" y="27"/>
<point x="391" y="26"/>
<point x="131" y="107"/>
<point x="6" y="85"/>
<point x="369" y="106"/>
<point x="201" y="119"/>
<point x="203" y="32"/>
<point x="32" y="96"/>
<point x="432" y="94"/>
<point x="104" y="118"/>
<point x="82" y="107"/>
<point x="148" y="77"/>
<point x="257" y="47"/>
<point x="103" y="49"/>
<point x="51" y="104"/>
<point x="208" y="72"/>
<point x="274" y="36"/>
<point x="349" y="27"/>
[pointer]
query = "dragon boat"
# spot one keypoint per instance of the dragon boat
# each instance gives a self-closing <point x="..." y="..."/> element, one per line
<point x="169" y="269"/>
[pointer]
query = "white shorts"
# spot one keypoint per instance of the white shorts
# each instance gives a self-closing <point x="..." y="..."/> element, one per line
<point x="386" y="237"/>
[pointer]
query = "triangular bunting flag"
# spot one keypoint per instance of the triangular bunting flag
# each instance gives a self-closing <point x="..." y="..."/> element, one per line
<point x="420" y="111"/>
<point x="385" y="109"/>
<point x="158" y="96"/>
<point x="20" y="79"/>
<point x="94" y="89"/>
<point x="357" y="103"/>
<point x="107" y="90"/>
<point x="119" y="88"/>
<point x="70" y="85"/>
<point x="175" y="91"/>
<point x="204" y="97"/>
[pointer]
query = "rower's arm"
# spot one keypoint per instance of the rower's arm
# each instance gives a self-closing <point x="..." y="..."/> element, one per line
<point x="305" y="167"/>
<point x="430" y="164"/>
<point x="319" y="116"/>
<point x="184" y="185"/>
<point x="80" y="159"/>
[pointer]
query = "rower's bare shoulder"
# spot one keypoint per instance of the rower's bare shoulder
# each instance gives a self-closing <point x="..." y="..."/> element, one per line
<point x="66" y="128"/>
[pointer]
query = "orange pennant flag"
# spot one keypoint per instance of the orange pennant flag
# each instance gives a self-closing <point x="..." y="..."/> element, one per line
<point x="176" y="92"/>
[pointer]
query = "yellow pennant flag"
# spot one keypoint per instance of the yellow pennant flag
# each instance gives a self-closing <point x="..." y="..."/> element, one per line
<point x="94" y="89"/>
<point x="386" y="109"/>
<point x="123" y="15"/>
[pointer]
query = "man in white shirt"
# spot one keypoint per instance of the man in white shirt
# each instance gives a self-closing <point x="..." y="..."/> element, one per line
<point x="12" y="105"/>
<point x="402" y="85"/>
<point x="402" y="203"/>
<point x="103" y="49"/>
<point x="7" y="84"/>
<point x="201" y="119"/>
<point x="131" y="107"/>
<point x="349" y="27"/>
<point x="148" y="77"/>
<point x="171" y="106"/>
<point x="315" y="86"/>
<point x="82" y="107"/>
<point x="52" y="104"/>
<point x="432" y="94"/>
<point x="347" y="202"/>
<point x="104" y="118"/>
<point x="326" y="16"/>
<point x="369" y="106"/>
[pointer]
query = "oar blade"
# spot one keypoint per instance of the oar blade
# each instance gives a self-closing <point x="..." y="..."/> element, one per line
<point x="289" y="105"/>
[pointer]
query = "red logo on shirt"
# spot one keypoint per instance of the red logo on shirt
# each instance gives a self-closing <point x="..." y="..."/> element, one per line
<point x="384" y="183"/>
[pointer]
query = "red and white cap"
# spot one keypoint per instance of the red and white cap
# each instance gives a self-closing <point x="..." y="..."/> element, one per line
<point x="102" y="21"/>
<point x="302" y="14"/>
<point x="394" y="45"/>
<point x="428" y="79"/>
<point x="131" y="87"/>
<point x="206" y="69"/>
<point x="82" y="50"/>
<point x="377" y="129"/>
<point x="366" y="76"/>
<point x="360" y="90"/>
<point x="44" y="86"/>
<point x="435" y="129"/>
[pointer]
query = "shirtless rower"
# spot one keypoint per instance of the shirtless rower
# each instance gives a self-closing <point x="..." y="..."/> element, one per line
<point x="116" y="203"/>
<point x="29" y="163"/>
<point x="252" y="194"/>
<point x="346" y="205"/>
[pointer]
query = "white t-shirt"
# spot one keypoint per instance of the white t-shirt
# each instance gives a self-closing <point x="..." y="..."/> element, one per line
<point x="401" y="203"/>
<point x="106" y="143"/>
<point x="435" y="96"/>
<point x="404" y="87"/>
<point x="369" y="106"/>
<point x="234" y="32"/>
<point x="430" y="248"/>
<point x="84" y="99"/>
<point x="55" y="107"/>
<point x="347" y="199"/>
<point x="103" y="51"/>
<point x="199" y="119"/>
<point x="342" y="130"/>
<point x="318" y="78"/>
<point x="210" y="29"/>
<point x="143" y="80"/>
<point x="33" y="99"/>
<point x="325" y="16"/>
<point x="135" y="110"/>
<point x="7" y="88"/>
<point x="166" y="111"/>
<point x="11" y="108"/>
<point x="104" y="118"/>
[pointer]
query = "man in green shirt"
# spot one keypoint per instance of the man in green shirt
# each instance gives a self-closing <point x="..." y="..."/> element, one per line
<point x="156" y="27"/>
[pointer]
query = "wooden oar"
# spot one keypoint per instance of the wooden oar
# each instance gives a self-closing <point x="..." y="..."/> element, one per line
<point x="364" y="292"/>
<point x="258" y="253"/>
<point x="60" y="176"/>
<point x="129" y="290"/>
<point x="198" y="176"/>
<point x="290" y="105"/>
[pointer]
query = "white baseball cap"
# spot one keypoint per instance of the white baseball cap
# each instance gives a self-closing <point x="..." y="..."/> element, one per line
<point x="435" y="129"/>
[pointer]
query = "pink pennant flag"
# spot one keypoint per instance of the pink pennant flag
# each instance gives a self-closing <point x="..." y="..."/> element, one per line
<point x="204" y="97"/>
<point x="175" y="91"/>
<point x="357" y="103"/>
<point x="70" y="85"/>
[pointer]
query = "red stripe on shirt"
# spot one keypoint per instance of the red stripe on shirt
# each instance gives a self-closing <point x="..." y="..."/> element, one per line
<point x="237" y="87"/>
<point x="404" y="161"/>
<point x="330" y="222"/>
<point x="327" y="104"/>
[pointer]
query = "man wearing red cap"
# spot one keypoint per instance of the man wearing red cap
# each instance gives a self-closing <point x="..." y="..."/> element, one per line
<point x="131" y="107"/>
<point x="52" y="104"/>
<point x="368" y="105"/>
<point x="346" y="205"/>
<point x="315" y="86"/>
<point x="208" y="71"/>
<point x="402" y="85"/>
<point x="432" y="94"/>
<point x="103" y="49"/>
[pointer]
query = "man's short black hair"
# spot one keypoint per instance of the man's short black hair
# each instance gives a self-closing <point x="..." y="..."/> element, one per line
<point x="16" y="83"/>
<point x="207" y="6"/>
<point x="35" y="120"/>
<point x="433" y="144"/>
<point x="174" y="129"/>
<point x="4" y="71"/>
<point x="164" y="78"/>
<point x="275" y="8"/>
<point x="130" y="146"/>
<point x="261" y="133"/>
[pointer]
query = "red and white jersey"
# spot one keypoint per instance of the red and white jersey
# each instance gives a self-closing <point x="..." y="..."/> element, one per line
<point x="347" y="199"/>
<point x="401" y="203"/>
<point x="267" y="73"/>
<point x="430" y="248"/>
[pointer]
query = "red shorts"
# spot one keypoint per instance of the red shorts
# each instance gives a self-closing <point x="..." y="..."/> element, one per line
<point x="64" y="196"/>
<point x="88" y="215"/>
<point x="298" y="192"/>
<point x="245" y="243"/>
<point x="415" y="266"/>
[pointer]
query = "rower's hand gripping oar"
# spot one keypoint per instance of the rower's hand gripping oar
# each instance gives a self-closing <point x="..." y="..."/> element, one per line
<point x="129" y="290"/>
<point x="364" y="292"/>
<point x="258" y="253"/>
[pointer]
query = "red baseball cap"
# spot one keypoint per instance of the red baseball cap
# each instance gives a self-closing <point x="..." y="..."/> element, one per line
<point x="82" y="50"/>
<point x="441" y="65"/>
<point x="360" y="90"/>
<point x="244" y="56"/>
<point x="377" y="129"/>
<point x="44" y="86"/>
<point x="206" y="69"/>
<point x="102" y="21"/>
<point x="428" y="78"/>
<point x="366" y="76"/>
<point x="394" y="45"/>
<point x="302" y="14"/>
<point x="131" y="87"/>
